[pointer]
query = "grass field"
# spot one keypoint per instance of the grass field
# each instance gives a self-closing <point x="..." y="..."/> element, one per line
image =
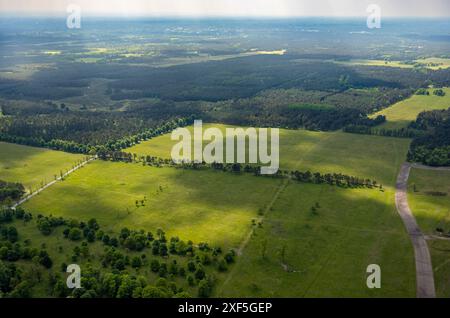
<point x="330" y="249"/>
<point x="440" y="255"/>
<point x="431" y="63"/>
<point x="210" y="206"/>
<point x="327" y="252"/>
<point x="430" y="204"/>
<point x="402" y="113"/>
<point x="319" y="151"/>
<point x="31" y="166"/>
<point x="377" y="63"/>
<point x="435" y="63"/>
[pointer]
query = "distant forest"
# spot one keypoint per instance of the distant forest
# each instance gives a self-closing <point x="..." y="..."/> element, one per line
<point x="85" y="97"/>
<point x="258" y="91"/>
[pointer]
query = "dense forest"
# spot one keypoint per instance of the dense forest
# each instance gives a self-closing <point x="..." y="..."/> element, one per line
<point x="433" y="147"/>
<point x="211" y="81"/>
<point x="110" y="145"/>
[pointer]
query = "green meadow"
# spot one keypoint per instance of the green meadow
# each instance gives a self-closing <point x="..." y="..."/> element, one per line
<point x="202" y="206"/>
<point x="401" y="114"/>
<point x="321" y="252"/>
<point x="440" y="250"/>
<point x="326" y="251"/>
<point x="287" y="247"/>
<point x="33" y="166"/>
<point x="431" y="63"/>
<point x="429" y="199"/>
<point x="327" y="152"/>
<point x="299" y="252"/>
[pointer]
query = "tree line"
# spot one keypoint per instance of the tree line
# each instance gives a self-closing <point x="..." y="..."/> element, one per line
<point x="336" y="179"/>
<point x="74" y="147"/>
<point x="398" y="133"/>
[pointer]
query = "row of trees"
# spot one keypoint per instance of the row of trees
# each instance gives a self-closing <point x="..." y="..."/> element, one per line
<point x="366" y="130"/>
<point x="147" y="134"/>
<point x="337" y="179"/>
<point x="100" y="149"/>
<point x="14" y="281"/>
<point x="55" y="144"/>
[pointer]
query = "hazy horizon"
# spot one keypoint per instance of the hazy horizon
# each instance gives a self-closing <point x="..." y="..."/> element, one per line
<point x="229" y="8"/>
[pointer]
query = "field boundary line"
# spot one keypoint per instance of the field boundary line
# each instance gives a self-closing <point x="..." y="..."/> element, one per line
<point x="423" y="167"/>
<point x="424" y="269"/>
<point x="331" y="253"/>
<point x="281" y="187"/>
<point x="33" y="194"/>
<point x="245" y="242"/>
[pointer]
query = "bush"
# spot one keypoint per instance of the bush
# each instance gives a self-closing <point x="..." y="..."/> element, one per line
<point x="154" y="266"/>
<point x="204" y="288"/>
<point x="439" y="92"/>
<point x="74" y="234"/>
<point x="136" y="262"/>
<point x="45" y="260"/>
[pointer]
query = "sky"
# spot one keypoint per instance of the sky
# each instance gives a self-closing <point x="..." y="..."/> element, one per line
<point x="230" y="8"/>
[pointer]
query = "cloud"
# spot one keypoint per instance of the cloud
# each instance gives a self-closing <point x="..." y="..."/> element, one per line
<point x="253" y="8"/>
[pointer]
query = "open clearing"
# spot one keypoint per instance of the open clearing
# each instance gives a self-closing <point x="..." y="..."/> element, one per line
<point x="326" y="152"/>
<point x="430" y="204"/>
<point x="401" y="114"/>
<point x="325" y="250"/>
<point x="431" y="63"/>
<point x="206" y="206"/>
<point x="32" y="166"/>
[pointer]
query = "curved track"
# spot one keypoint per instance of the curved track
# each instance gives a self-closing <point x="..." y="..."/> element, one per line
<point x="424" y="269"/>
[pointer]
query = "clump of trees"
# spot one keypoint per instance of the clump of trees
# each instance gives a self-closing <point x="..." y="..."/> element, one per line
<point x="10" y="191"/>
<point x="14" y="282"/>
<point x="117" y="275"/>
<point x="439" y="92"/>
<point x="422" y="91"/>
